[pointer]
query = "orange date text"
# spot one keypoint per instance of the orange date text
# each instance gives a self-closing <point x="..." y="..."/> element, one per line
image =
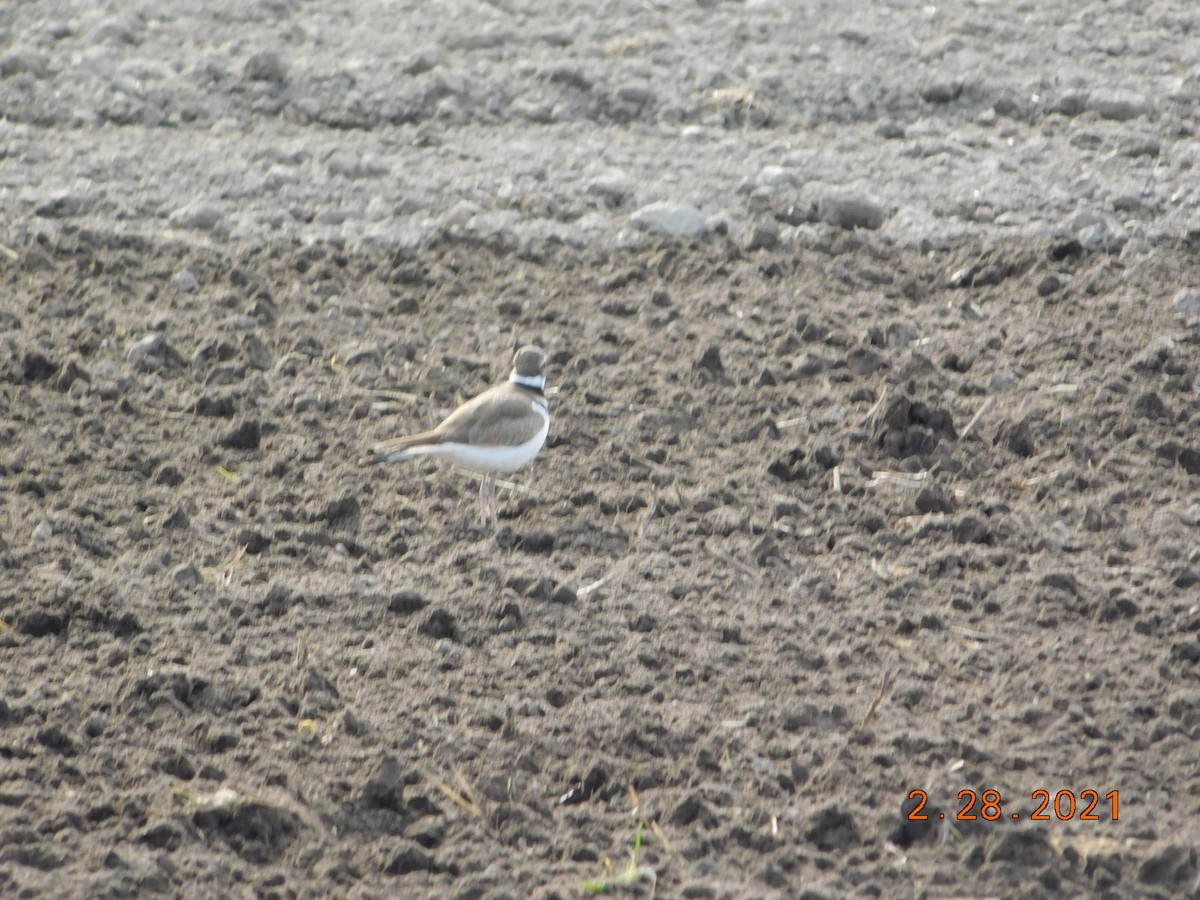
<point x="988" y="805"/>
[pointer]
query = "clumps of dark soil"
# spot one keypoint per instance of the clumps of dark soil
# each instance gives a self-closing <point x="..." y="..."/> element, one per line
<point x="813" y="529"/>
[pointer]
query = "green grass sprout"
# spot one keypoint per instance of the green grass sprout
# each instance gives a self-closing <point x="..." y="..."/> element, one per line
<point x="632" y="874"/>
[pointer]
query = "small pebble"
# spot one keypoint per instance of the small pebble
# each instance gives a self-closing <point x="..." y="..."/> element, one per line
<point x="762" y="235"/>
<point x="1120" y="106"/>
<point x="941" y="88"/>
<point x="23" y="61"/>
<point x="186" y="575"/>
<point x="890" y="130"/>
<point x="346" y="164"/>
<point x="184" y="281"/>
<point x="200" y="215"/>
<point x="1071" y="103"/>
<point x="1186" y="302"/>
<point x="1003" y="381"/>
<point x="116" y="31"/>
<point x="850" y="209"/>
<point x="143" y="353"/>
<point x="777" y="176"/>
<point x="674" y="219"/>
<point x="614" y="186"/>
<point x="268" y="65"/>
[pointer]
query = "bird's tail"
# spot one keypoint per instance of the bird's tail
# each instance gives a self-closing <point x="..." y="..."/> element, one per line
<point x="399" y="448"/>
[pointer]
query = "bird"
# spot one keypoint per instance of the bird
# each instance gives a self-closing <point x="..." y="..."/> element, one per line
<point x="500" y="430"/>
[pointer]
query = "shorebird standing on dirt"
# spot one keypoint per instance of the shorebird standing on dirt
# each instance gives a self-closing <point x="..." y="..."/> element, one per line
<point x="500" y="430"/>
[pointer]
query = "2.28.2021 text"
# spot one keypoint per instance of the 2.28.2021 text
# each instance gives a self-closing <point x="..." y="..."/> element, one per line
<point x="989" y="805"/>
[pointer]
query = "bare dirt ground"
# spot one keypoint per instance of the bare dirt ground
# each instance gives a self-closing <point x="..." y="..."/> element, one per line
<point x="828" y="514"/>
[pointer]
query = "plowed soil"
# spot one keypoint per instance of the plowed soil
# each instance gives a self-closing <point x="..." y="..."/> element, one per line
<point x="813" y="530"/>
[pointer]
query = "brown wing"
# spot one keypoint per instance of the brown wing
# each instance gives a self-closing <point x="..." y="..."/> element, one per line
<point x="500" y="415"/>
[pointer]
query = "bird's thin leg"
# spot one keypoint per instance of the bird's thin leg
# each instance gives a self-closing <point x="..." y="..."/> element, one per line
<point x="488" y="511"/>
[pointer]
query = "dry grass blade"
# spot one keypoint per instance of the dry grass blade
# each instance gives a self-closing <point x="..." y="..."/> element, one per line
<point x="885" y="687"/>
<point x="1065" y="389"/>
<point x="724" y="557"/>
<point x="987" y="404"/>
<point x="396" y="396"/>
<point x="515" y="488"/>
<point x="876" y="408"/>
<point x="889" y="572"/>
<point x="231" y="568"/>
<point x="915" y="522"/>
<point x="594" y="586"/>
<point x="464" y="799"/>
<point x="909" y="481"/>
<point x="971" y="633"/>
<point x="662" y="836"/>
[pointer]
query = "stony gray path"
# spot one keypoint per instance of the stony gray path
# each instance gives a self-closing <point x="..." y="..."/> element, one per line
<point x="385" y="122"/>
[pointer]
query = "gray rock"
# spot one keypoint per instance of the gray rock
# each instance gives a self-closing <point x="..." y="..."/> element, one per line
<point x="255" y="352"/>
<point x="941" y="88"/>
<point x="460" y="214"/>
<point x="1084" y="218"/>
<point x="540" y="111"/>
<point x="186" y="575"/>
<point x="764" y="199"/>
<point x="614" y="186"/>
<point x="280" y="176"/>
<point x="850" y="209"/>
<point x="637" y="94"/>
<point x="674" y="219"/>
<point x="425" y="60"/>
<point x="354" y="165"/>
<point x="143" y="349"/>
<point x="307" y="401"/>
<point x="70" y="375"/>
<point x="337" y="216"/>
<point x="151" y="353"/>
<point x="1103" y="234"/>
<point x="199" y="215"/>
<point x="268" y="65"/>
<point x="500" y="223"/>
<point x="1121" y="106"/>
<point x="1003" y="381"/>
<point x="777" y="176"/>
<point x="1071" y="103"/>
<point x="22" y="61"/>
<point x="1186" y="302"/>
<point x="1136" y="145"/>
<point x="834" y="415"/>
<point x="184" y="281"/>
<point x="900" y="335"/>
<point x="360" y="354"/>
<point x="116" y="31"/>
<point x="225" y="373"/>
<point x="63" y="205"/>
<point x="289" y="154"/>
<point x="763" y="235"/>
<point x="43" y="531"/>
